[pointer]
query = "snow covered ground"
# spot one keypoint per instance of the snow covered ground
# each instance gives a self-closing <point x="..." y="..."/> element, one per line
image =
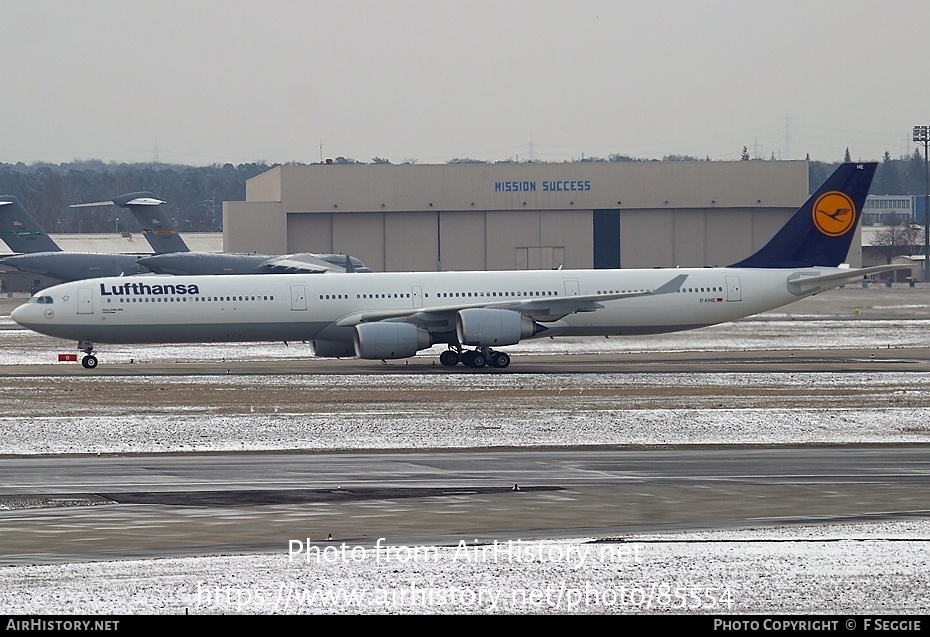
<point x="248" y="413"/>
<point x="867" y="569"/>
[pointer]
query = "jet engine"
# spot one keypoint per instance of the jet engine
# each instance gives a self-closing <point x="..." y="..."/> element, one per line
<point x="486" y="327"/>
<point x="389" y="340"/>
<point x="332" y="349"/>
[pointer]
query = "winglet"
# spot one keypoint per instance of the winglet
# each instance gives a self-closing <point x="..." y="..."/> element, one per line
<point x="821" y="231"/>
<point x="672" y="286"/>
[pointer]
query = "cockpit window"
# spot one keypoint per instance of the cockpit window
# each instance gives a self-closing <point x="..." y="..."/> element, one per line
<point x="44" y="300"/>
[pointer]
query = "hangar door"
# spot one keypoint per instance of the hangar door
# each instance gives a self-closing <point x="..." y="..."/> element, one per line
<point x="542" y="258"/>
<point x="606" y="239"/>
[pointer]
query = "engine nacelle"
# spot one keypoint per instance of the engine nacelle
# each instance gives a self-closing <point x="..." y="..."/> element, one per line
<point x="490" y="327"/>
<point x="389" y="340"/>
<point x="332" y="349"/>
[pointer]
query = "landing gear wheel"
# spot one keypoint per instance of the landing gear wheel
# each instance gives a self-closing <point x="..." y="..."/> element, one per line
<point x="449" y="358"/>
<point x="474" y="359"/>
<point x="499" y="360"/>
<point x="89" y="361"/>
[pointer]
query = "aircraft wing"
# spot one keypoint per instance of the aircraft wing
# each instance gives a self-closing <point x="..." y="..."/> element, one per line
<point x="309" y="262"/>
<point x="539" y="309"/>
<point x="300" y="263"/>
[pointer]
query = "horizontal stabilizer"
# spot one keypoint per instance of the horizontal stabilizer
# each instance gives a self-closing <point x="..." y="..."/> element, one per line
<point x="853" y="274"/>
<point x="800" y="284"/>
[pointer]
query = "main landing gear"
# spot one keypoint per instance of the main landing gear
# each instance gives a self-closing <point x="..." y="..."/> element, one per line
<point x="89" y="361"/>
<point x="481" y="357"/>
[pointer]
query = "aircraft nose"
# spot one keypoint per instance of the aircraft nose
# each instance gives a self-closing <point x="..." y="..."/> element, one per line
<point x="32" y="315"/>
<point x="21" y="315"/>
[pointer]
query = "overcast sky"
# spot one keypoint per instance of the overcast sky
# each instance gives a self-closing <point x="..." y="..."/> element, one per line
<point x="238" y="81"/>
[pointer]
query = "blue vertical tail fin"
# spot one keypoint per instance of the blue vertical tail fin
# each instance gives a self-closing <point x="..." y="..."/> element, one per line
<point x="820" y="233"/>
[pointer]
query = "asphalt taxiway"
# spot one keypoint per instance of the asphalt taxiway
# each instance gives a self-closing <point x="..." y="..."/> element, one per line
<point x="903" y="359"/>
<point x="90" y="508"/>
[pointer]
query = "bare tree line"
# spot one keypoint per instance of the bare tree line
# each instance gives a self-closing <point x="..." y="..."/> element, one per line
<point x="194" y="195"/>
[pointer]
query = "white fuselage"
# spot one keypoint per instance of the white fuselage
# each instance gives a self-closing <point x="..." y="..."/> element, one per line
<point x="173" y="309"/>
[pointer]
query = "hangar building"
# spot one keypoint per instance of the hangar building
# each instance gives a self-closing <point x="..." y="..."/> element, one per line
<point x="413" y="217"/>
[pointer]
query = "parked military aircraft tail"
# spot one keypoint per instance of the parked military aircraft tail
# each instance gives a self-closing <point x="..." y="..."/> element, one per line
<point x="157" y="228"/>
<point x="51" y="261"/>
<point x="20" y="231"/>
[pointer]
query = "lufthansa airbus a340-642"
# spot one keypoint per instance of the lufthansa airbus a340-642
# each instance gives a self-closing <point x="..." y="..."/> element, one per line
<point x="394" y="315"/>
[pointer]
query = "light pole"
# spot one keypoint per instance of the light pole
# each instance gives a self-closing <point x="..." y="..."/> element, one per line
<point x="922" y="135"/>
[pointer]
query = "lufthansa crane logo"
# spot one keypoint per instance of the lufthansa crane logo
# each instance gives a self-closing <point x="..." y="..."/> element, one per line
<point x="834" y="214"/>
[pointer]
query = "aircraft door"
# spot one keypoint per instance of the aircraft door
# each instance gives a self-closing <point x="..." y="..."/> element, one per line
<point x="416" y="294"/>
<point x="85" y="300"/>
<point x="298" y="298"/>
<point x="571" y="288"/>
<point x="733" y="289"/>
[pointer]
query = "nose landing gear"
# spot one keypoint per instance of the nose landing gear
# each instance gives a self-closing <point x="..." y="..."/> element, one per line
<point x="89" y="361"/>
